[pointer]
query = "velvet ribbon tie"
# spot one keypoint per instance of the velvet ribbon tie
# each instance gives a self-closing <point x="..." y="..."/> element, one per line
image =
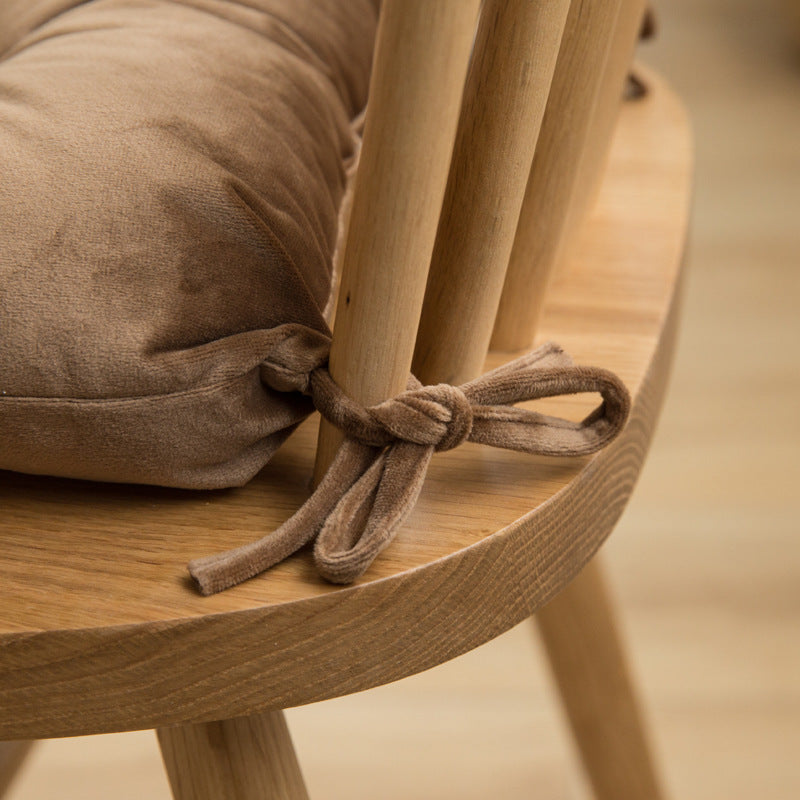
<point x="378" y="472"/>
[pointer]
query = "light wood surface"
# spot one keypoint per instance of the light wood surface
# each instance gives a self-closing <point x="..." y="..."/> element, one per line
<point x="578" y="627"/>
<point x="606" y="112"/>
<point x="587" y="657"/>
<point x="250" y="758"/>
<point x="705" y="560"/>
<point x="421" y="59"/>
<point x="504" y="101"/>
<point x="134" y="626"/>
<point x="553" y="177"/>
<point x="505" y="97"/>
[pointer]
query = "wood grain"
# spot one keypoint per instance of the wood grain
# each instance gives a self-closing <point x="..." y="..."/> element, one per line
<point x="715" y="649"/>
<point x="250" y="758"/>
<point x="586" y="654"/>
<point x="552" y="182"/>
<point x="578" y="626"/>
<point x="97" y="606"/>
<point x="504" y="100"/>
<point x="421" y="59"/>
<point x="606" y="110"/>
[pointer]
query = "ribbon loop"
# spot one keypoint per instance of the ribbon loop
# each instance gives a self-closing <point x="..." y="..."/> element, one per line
<point x="367" y="517"/>
<point x="379" y="471"/>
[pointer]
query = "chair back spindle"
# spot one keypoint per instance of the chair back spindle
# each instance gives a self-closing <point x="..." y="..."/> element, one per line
<point x="606" y="111"/>
<point x="505" y="96"/>
<point x="421" y="60"/>
<point x="552" y="182"/>
<point x="541" y="91"/>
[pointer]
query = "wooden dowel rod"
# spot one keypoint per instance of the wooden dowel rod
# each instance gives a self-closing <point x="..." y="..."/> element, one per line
<point x="417" y="83"/>
<point x="585" y="651"/>
<point x="607" y="108"/>
<point x="504" y="101"/>
<point x="248" y="758"/>
<point x="548" y="196"/>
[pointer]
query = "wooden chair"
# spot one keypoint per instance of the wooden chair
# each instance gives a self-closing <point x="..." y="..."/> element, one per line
<point x="101" y="630"/>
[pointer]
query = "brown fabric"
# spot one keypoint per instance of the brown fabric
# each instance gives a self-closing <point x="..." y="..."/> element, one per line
<point x="170" y="178"/>
<point x="378" y="472"/>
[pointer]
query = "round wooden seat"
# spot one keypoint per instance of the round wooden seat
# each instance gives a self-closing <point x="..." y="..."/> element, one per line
<point x="101" y="629"/>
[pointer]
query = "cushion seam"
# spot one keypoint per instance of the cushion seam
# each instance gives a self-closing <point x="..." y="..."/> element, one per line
<point x="145" y="398"/>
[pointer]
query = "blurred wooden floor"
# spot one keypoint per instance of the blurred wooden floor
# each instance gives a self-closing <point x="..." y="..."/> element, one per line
<point x="706" y="560"/>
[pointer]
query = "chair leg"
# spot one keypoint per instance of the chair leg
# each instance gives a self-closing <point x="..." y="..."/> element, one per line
<point x="12" y="754"/>
<point x="585" y="652"/>
<point x="236" y="759"/>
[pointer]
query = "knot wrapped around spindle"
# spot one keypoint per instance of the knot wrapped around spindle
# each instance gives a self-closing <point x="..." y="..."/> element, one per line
<point x="378" y="472"/>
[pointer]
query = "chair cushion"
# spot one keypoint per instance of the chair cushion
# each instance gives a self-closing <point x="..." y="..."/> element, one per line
<point x="170" y="178"/>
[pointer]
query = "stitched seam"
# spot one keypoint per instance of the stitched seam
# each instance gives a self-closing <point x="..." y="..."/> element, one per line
<point x="145" y="398"/>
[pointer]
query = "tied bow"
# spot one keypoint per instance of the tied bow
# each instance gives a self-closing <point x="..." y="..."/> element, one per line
<point x="378" y="472"/>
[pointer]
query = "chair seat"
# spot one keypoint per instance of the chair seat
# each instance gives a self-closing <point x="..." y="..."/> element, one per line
<point x="101" y="629"/>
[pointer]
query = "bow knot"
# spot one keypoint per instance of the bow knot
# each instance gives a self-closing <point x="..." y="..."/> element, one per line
<point x="435" y="416"/>
<point x="377" y="475"/>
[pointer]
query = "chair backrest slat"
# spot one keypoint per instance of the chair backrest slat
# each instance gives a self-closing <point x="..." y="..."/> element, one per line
<point x="606" y="111"/>
<point x="565" y="132"/>
<point x="521" y="144"/>
<point x="509" y="79"/>
<point x="418" y="77"/>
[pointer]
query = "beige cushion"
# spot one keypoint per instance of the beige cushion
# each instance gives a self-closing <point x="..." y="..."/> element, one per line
<point x="170" y="177"/>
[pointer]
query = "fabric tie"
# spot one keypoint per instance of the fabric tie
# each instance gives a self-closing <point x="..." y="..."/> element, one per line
<point x="378" y="472"/>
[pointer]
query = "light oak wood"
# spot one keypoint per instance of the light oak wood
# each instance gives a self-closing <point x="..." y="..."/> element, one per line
<point x="553" y="177"/>
<point x="12" y="755"/>
<point x="250" y="758"/>
<point x="606" y="111"/>
<point x="505" y="96"/>
<point x="578" y="626"/>
<point x="504" y="100"/>
<point x="97" y="605"/>
<point x="417" y="82"/>
<point x="716" y="651"/>
<point x="583" y="645"/>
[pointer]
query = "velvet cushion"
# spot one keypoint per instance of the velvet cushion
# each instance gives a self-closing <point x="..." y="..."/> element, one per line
<point x="170" y="178"/>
